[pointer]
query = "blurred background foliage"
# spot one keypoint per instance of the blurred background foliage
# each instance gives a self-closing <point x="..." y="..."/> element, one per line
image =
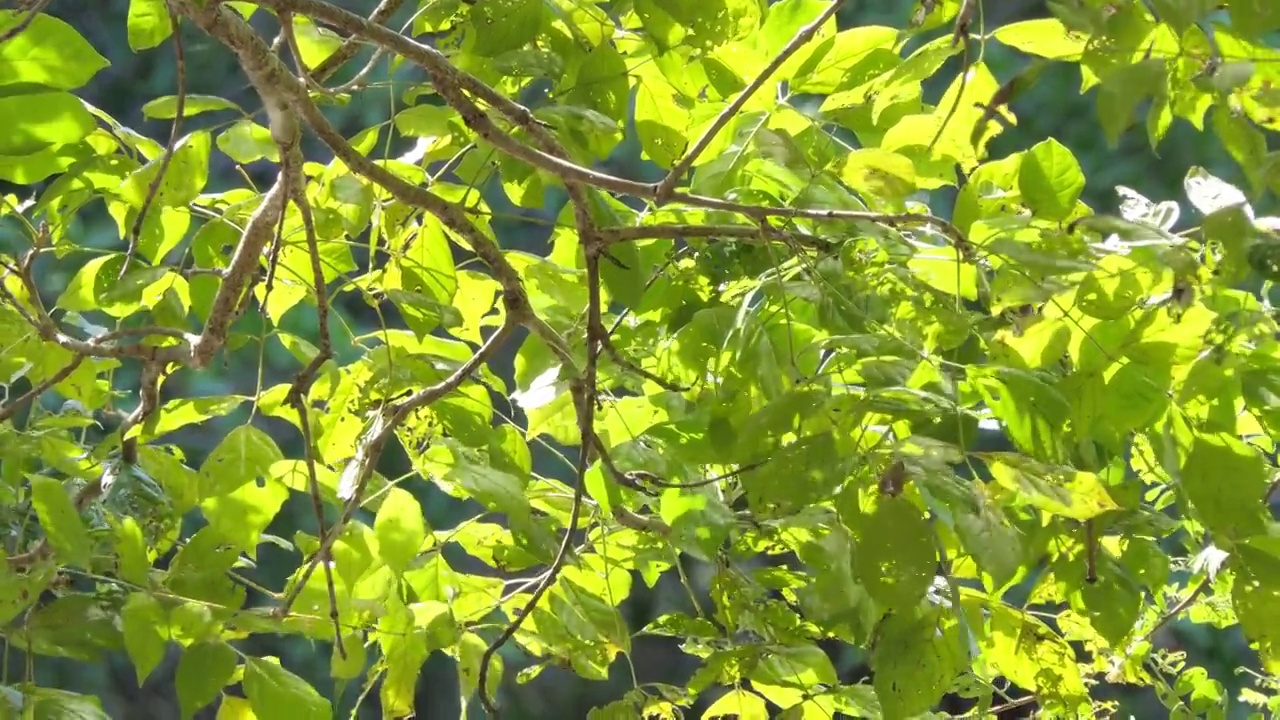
<point x="1053" y="107"/>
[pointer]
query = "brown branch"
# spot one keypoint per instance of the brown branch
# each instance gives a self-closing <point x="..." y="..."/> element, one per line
<point x="1178" y="609"/>
<point x="1012" y="705"/>
<point x="277" y="90"/>
<point x="11" y="408"/>
<point x="448" y="80"/>
<point x="135" y="234"/>
<point x="36" y="8"/>
<point x="302" y="383"/>
<point x="664" y="189"/>
<point x="38" y="318"/>
<point x="584" y="394"/>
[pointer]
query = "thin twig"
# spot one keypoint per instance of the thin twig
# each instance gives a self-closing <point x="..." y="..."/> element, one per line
<point x="350" y="46"/>
<point x="448" y="80"/>
<point x="1177" y="609"/>
<point x="737" y="232"/>
<point x="11" y="408"/>
<point x="627" y="364"/>
<point x="964" y="17"/>
<point x="35" y="9"/>
<point x="135" y="234"/>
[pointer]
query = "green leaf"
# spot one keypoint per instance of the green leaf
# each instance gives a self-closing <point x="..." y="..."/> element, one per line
<point x="825" y="67"/>
<point x="51" y="704"/>
<point x="427" y="264"/>
<point x="1050" y="180"/>
<point x="1229" y="508"/>
<point x="276" y="692"/>
<point x="1027" y="652"/>
<point x="315" y="43"/>
<point x="802" y="666"/>
<point x="49" y="120"/>
<point x="351" y="666"/>
<point x="148" y="24"/>
<point x="915" y="658"/>
<point x="166" y="108"/>
<point x="247" y="142"/>
<point x="468" y="653"/>
<point x="895" y="555"/>
<point x="48" y="53"/>
<point x="181" y="412"/>
<point x="1045" y="37"/>
<point x="401" y="529"/>
<point x="599" y="82"/>
<point x="502" y="25"/>
<point x="203" y="670"/>
<point x="697" y="25"/>
<point x="405" y="649"/>
<point x="241" y="515"/>
<point x="60" y="521"/>
<point x="131" y="549"/>
<point x="1253" y="18"/>
<point x="878" y="173"/>
<point x="142" y="620"/>
<point x="987" y="536"/>
<point x="942" y="270"/>
<point x="184" y="178"/>
<point x="244" y="455"/>
<point x="1123" y="90"/>
<point x="235" y="708"/>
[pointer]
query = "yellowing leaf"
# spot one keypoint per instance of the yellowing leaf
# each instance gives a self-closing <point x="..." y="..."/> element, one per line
<point x="738" y="703"/>
<point x="1045" y="37"/>
<point x="878" y="173"/>
<point x="940" y="269"/>
<point x="1056" y="490"/>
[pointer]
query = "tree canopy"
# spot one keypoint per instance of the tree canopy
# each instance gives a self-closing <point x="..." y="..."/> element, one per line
<point x="832" y="362"/>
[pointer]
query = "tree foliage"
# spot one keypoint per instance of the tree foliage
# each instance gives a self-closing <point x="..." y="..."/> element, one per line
<point x="776" y="362"/>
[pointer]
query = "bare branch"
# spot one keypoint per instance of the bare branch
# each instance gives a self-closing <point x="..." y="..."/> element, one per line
<point x="449" y="79"/>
